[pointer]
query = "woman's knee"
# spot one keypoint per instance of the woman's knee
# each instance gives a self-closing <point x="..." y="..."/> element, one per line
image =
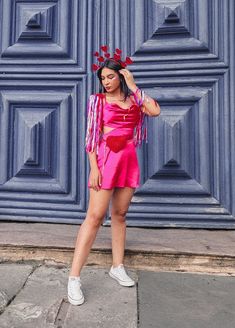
<point x="119" y="214"/>
<point x="95" y="219"/>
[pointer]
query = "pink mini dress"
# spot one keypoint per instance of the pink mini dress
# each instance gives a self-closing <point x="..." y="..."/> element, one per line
<point x="119" y="169"/>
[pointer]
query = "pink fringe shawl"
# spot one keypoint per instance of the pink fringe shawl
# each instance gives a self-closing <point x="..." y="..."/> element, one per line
<point x="94" y="124"/>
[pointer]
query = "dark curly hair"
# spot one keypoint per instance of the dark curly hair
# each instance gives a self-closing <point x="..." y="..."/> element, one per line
<point x="116" y="66"/>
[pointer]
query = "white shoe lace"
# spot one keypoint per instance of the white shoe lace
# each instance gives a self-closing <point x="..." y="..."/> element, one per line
<point x="74" y="288"/>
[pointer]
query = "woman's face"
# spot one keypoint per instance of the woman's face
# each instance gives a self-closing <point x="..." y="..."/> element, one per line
<point x="110" y="79"/>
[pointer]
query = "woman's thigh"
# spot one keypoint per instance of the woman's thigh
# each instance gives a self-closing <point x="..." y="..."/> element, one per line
<point x="99" y="202"/>
<point x="121" y="199"/>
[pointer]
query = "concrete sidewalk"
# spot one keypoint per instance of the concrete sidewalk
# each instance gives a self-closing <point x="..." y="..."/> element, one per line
<point x="35" y="295"/>
<point x="35" y="260"/>
<point x="188" y="250"/>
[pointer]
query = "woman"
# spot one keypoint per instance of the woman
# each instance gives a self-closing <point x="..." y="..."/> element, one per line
<point x="115" y="127"/>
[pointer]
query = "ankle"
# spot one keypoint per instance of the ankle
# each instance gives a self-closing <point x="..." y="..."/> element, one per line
<point x="76" y="274"/>
<point x="116" y="265"/>
<point x="74" y="277"/>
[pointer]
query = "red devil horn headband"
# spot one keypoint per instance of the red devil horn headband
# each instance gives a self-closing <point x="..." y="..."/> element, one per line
<point x="116" y="57"/>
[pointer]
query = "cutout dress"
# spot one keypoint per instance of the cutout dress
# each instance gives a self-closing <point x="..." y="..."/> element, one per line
<point x="119" y="168"/>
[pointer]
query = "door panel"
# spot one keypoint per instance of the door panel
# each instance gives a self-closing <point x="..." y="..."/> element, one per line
<point x="183" y="53"/>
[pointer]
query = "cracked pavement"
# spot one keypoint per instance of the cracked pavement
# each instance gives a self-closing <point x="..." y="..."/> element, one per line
<point x="35" y="295"/>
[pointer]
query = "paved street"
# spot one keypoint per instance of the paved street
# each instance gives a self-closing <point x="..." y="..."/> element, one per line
<point x="34" y="295"/>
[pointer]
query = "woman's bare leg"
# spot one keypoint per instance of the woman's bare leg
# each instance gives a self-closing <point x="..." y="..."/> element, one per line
<point x="97" y="208"/>
<point x="120" y="203"/>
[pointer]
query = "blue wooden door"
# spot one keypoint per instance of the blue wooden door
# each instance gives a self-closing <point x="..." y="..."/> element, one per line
<point x="183" y="53"/>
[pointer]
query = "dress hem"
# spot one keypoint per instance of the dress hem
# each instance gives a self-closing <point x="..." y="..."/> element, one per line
<point x="109" y="188"/>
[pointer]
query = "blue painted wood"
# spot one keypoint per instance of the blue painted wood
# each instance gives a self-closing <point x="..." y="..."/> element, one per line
<point x="183" y="53"/>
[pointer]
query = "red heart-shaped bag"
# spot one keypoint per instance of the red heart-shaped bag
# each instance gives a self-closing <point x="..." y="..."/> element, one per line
<point x="116" y="143"/>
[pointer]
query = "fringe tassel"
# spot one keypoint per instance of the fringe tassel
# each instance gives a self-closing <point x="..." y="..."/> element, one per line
<point x="93" y="124"/>
<point x="141" y="130"/>
<point x="142" y="127"/>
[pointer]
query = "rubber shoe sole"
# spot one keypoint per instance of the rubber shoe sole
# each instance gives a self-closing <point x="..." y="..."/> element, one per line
<point x="123" y="283"/>
<point x="76" y="302"/>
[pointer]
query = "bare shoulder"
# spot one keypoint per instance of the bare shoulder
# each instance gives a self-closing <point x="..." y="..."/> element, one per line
<point x="132" y="96"/>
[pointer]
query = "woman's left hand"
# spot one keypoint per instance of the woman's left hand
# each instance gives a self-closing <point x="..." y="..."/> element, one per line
<point x="128" y="78"/>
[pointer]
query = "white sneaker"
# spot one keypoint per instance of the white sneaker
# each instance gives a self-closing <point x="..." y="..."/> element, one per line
<point x="75" y="294"/>
<point x="119" y="274"/>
